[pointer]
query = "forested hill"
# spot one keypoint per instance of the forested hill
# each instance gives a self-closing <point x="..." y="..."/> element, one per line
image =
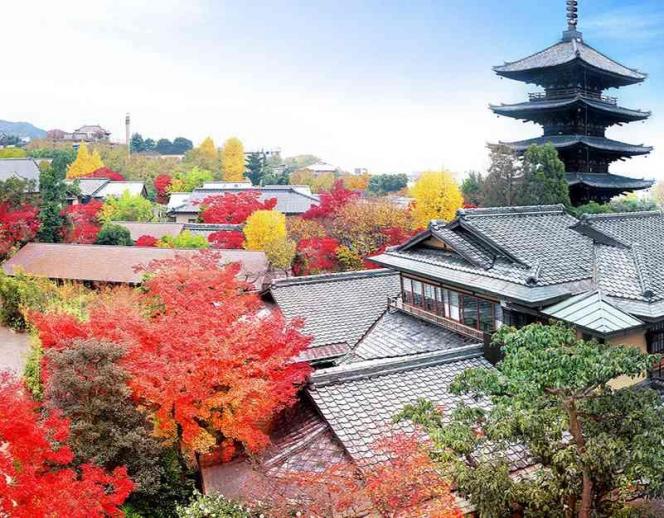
<point x="21" y="129"/>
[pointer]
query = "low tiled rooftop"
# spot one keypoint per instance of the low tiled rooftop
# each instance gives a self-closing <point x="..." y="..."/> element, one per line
<point x="105" y="263"/>
<point x="360" y="400"/>
<point x="22" y="168"/>
<point x="338" y="308"/>
<point x="399" y="334"/>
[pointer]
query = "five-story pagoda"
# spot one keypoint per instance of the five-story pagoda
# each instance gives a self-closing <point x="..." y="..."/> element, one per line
<point x="575" y="113"/>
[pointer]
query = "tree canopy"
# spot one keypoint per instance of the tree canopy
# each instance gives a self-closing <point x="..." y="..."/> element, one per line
<point x="232" y="160"/>
<point x="596" y="448"/>
<point x="437" y="196"/>
<point x="543" y="179"/>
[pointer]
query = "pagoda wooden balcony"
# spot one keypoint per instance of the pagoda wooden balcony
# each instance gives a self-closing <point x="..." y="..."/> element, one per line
<point x="452" y="325"/>
<point x="566" y="93"/>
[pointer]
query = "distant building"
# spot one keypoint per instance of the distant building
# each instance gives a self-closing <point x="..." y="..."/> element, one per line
<point x="103" y="188"/>
<point x="21" y="168"/>
<point x="88" y="133"/>
<point x="320" y="168"/>
<point x="292" y="200"/>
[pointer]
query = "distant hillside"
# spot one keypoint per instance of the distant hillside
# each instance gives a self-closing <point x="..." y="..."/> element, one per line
<point x="21" y="129"/>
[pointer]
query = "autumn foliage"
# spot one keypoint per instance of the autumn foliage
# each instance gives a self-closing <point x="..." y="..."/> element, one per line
<point x="316" y="255"/>
<point x="105" y="172"/>
<point x="37" y="479"/>
<point x="226" y="239"/>
<point x="17" y="225"/>
<point x="162" y="184"/>
<point x="233" y="208"/>
<point x="404" y="484"/>
<point x="82" y="222"/>
<point x="146" y="241"/>
<point x="205" y="357"/>
<point x="331" y="201"/>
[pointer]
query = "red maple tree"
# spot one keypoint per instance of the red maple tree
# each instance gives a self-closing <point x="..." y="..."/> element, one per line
<point x="233" y="208"/>
<point x="83" y="223"/>
<point x="36" y="476"/>
<point x="331" y="201"/>
<point x="226" y="239"/>
<point x="207" y="358"/>
<point x="105" y="172"/>
<point x="161" y="184"/>
<point x="148" y="241"/>
<point x="17" y="225"/>
<point x="316" y="255"/>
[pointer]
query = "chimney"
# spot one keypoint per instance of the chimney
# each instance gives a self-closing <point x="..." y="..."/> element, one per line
<point x="128" y="135"/>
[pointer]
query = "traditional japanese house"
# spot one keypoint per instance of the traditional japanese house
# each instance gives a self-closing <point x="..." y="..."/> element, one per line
<point x="575" y="114"/>
<point x="602" y="274"/>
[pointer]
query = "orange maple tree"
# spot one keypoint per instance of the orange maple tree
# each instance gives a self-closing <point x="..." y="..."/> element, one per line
<point x="207" y="358"/>
<point x="36" y="476"/>
<point x="403" y="482"/>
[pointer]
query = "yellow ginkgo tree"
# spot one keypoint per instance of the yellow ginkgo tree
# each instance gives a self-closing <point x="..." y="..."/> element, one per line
<point x="85" y="162"/>
<point x="437" y="196"/>
<point x="232" y="160"/>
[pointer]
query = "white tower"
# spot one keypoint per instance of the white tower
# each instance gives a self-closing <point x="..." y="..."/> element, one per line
<point x="128" y="135"/>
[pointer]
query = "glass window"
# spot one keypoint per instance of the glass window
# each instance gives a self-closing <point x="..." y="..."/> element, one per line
<point x="440" y="309"/>
<point x="429" y="298"/>
<point x="498" y="315"/>
<point x="407" y="290"/>
<point x="417" y="293"/>
<point x="446" y="302"/>
<point x="454" y="305"/>
<point x="486" y="315"/>
<point x="469" y="311"/>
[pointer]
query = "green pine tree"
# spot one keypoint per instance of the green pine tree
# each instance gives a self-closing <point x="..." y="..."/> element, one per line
<point x="543" y="181"/>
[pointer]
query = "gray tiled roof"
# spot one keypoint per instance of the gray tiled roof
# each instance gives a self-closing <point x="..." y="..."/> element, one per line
<point x="566" y="141"/>
<point x="290" y="199"/>
<point x="636" y="269"/>
<point x="399" y="334"/>
<point x="23" y="168"/>
<point x="592" y="311"/>
<point x="565" y="52"/>
<point x="360" y="400"/>
<point x="337" y="309"/>
<point x="89" y="186"/>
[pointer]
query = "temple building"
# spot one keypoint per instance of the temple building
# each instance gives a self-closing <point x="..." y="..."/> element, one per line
<point x="575" y="113"/>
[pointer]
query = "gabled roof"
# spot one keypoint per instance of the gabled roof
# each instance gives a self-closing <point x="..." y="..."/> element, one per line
<point x="118" y="188"/>
<point x="337" y="308"/>
<point x="526" y="253"/>
<point x="400" y="334"/>
<point x="105" y="263"/>
<point x="593" y="312"/>
<point x="569" y="51"/>
<point x="22" y="168"/>
<point x="629" y="256"/>
<point x="290" y="199"/>
<point x="568" y="141"/>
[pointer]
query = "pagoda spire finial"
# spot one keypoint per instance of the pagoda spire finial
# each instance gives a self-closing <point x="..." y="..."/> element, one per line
<point x="572" y="14"/>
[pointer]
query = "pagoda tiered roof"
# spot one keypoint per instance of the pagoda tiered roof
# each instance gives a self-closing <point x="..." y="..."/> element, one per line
<point x="539" y="109"/>
<point x="571" y="51"/>
<point x="568" y="141"/>
<point x="608" y="181"/>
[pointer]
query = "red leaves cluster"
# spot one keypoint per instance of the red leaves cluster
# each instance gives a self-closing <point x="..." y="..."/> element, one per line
<point x="148" y="241"/>
<point x="331" y="202"/>
<point x="316" y="255"/>
<point x="105" y="172"/>
<point x="83" y="224"/>
<point x="161" y="185"/>
<point x="405" y="484"/>
<point x="226" y="239"/>
<point x="234" y="208"/>
<point x="17" y="225"/>
<point x="36" y="479"/>
<point x="207" y="358"/>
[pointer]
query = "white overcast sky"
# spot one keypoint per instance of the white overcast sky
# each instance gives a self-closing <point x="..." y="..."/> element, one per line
<point x="388" y="85"/>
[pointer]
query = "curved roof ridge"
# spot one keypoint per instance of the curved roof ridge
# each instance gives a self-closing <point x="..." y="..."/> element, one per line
<point x="510" y="211"/>
<point x="643" y="270"/>
<point x="621" y="215"/>
<point x="331" y="277"/>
